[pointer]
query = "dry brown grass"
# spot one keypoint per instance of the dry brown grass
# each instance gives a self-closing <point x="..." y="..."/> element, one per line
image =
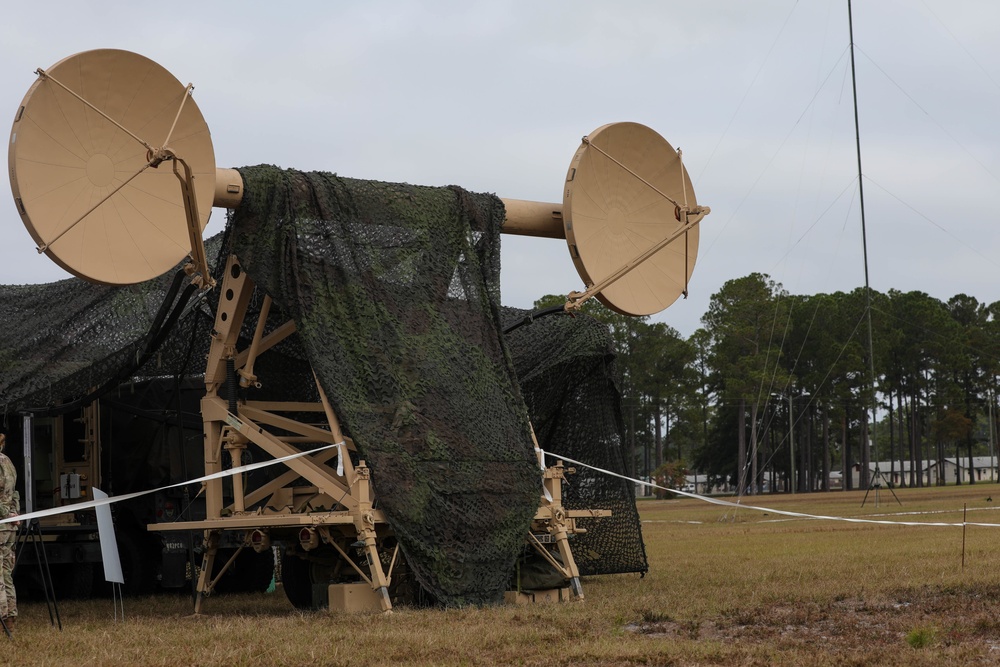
<point x="724" y="588"/>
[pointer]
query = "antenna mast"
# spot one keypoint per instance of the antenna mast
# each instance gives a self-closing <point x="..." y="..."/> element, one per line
<point x="876" y="478"/>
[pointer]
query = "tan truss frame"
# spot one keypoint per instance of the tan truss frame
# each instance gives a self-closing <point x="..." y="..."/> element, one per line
<point x="338" y="501"/>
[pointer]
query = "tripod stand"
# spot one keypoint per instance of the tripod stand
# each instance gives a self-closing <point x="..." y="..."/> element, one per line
<point x="30" y="531"/>
<point x="877" y="478"/>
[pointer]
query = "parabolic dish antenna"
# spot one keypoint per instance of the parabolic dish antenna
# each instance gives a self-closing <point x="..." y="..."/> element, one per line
<point x="91" y="166"/>
<point x="627" y="191"/>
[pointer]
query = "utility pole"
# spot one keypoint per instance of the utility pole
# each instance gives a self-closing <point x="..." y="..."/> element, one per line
<point x="993" y="461"/>
<point x="791" y="446"/>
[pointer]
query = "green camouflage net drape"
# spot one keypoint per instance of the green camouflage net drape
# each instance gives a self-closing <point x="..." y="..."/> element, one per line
<point x="395" y="293"/>
<point x="565" y="366"/>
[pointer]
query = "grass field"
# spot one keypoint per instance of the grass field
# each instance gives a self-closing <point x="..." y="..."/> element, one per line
<point x="725" y="587"/>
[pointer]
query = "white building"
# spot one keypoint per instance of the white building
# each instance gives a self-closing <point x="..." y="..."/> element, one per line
<point x="984" y="469"/>
<point x="897" y="473"/>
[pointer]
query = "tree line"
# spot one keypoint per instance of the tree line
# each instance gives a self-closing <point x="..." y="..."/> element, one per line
<point x="775" y="391"/>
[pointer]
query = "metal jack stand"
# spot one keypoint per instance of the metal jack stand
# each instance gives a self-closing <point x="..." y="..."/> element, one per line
<point x="876" y="484"/>
<point x="554" y="525"/>
<point x="30" y="530"/>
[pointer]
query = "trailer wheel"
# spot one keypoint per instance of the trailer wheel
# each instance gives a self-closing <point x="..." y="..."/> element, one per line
<point x="296" y="579"/>
<point x="251" y="573"/>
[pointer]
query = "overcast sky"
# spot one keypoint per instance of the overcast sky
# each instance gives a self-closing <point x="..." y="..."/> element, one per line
<point x="494" y="96"/>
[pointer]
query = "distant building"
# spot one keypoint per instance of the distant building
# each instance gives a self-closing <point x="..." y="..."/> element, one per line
<point x="984" y="469"/>
<point x="699" y="483"/>
<point x="693" y="483"/>
<point x="897" y="473"/>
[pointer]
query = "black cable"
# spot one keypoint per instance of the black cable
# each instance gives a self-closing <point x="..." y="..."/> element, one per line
<point x="534" y="315"/>
<point x="175" y="285"/>
<point x="175" y="315"/>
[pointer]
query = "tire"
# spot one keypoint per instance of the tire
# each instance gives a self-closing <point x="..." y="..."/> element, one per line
<point x="296" y="579"/>
<point x="251" y="573"/>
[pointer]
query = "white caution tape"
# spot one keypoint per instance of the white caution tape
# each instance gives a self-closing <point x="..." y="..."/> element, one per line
<point x="540" y="453"/>
<point x="801" y="515"/>
<point x="128" y="496"/>
<point x="340" y="458"/>
<point x="264" y="464"/>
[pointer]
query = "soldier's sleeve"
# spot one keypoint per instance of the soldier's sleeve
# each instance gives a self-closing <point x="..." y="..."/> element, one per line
<point x="11" y="497"/>
<point x="5" y="497"/>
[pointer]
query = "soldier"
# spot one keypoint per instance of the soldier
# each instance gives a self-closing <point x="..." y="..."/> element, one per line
<point x="10" y="501"/>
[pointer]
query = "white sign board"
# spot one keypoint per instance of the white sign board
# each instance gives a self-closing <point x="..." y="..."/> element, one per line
<point x="109" y="546"/>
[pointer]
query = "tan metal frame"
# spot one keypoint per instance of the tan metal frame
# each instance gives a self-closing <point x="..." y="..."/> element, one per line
<point x="338" y="502"/>
<point x="229" y="431"/>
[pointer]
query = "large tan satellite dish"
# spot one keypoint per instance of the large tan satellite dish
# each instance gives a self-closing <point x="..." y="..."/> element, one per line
<point x="114" y="175"/>
<point x="83" y="165"/>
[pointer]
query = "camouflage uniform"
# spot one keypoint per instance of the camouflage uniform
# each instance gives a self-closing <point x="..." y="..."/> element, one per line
<point x="10" y="501"/>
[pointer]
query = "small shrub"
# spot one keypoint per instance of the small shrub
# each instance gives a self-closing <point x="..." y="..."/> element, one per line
<point x="670" y="474"/>
<point x="921" y="637"/>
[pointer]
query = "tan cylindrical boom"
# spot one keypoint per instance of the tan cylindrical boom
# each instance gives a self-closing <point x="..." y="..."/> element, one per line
<point x="228" y="188"/>
<point x="533" y="218"/>
<point x="525" y="218"/>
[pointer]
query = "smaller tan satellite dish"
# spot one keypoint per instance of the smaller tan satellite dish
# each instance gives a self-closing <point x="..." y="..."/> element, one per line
<point x="91" y="169"/>
<point x="627" y="193"/>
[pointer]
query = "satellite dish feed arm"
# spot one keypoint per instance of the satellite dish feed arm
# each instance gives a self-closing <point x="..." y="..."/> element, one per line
<point x="42" y="247"/>
<point x="198" y="268"/>
<point x="689" y="220"/>
<point x="187" y="93"/>
<point x="587" y="142"/>
<point x="42" y="74"/>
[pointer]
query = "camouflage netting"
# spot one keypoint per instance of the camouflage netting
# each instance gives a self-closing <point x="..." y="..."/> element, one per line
<point x="64" y="339"/>
<point x="565" y="366"/>
<point x="395" y="291"/>
<point x="68" y="339"/>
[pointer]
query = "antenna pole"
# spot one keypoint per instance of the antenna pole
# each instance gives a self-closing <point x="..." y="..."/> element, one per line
<point x="868" y="290"/>
<point x="864" y="237"/>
